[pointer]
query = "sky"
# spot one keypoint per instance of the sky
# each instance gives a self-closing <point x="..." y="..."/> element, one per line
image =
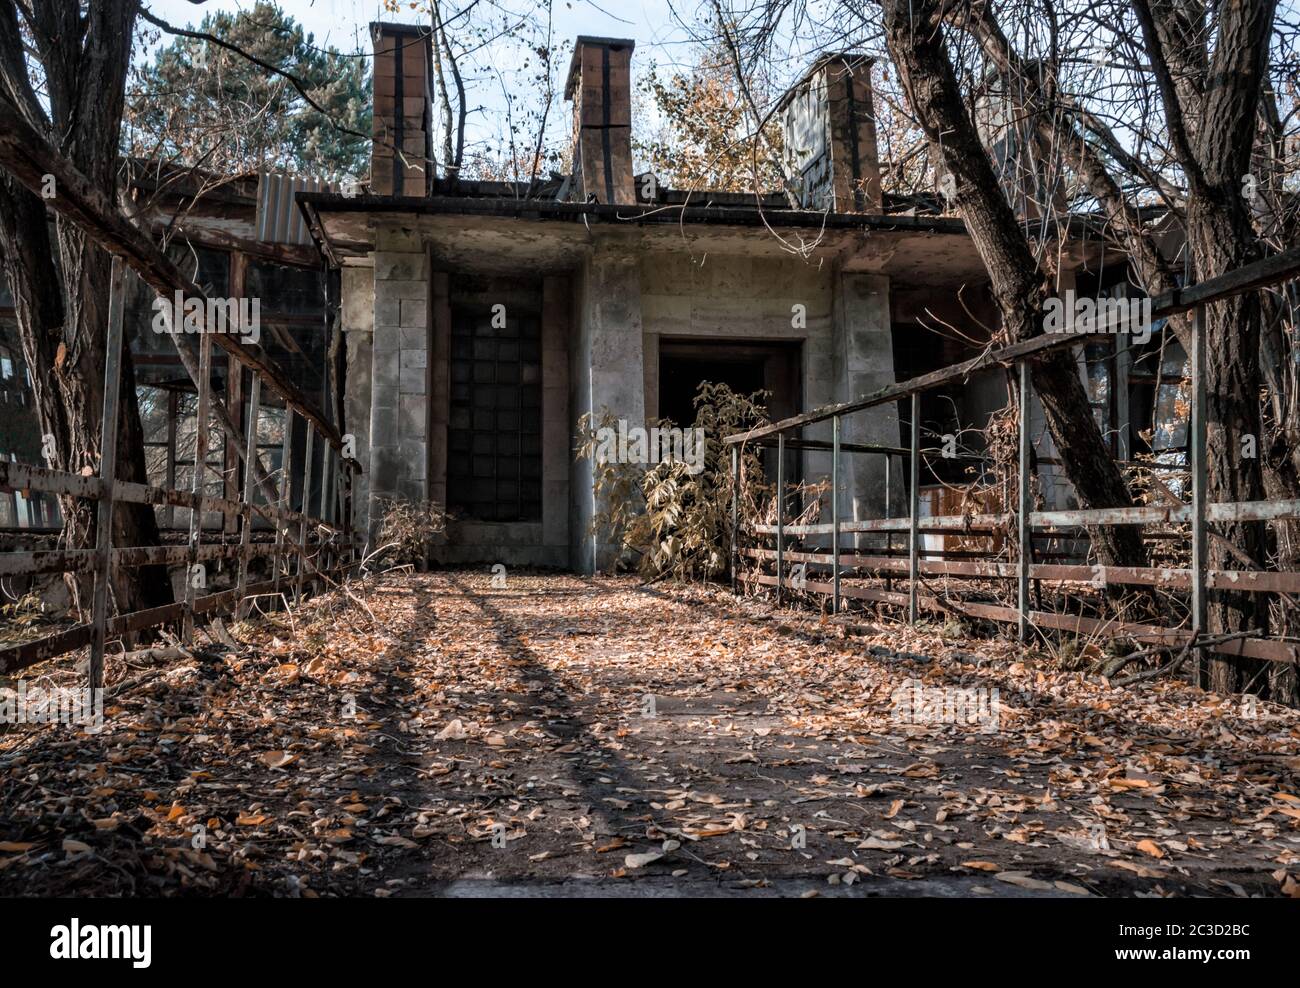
<point x="342" y="24"/>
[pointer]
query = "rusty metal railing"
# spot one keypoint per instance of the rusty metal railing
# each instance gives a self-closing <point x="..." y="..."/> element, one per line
<point x="1197" y="579"/>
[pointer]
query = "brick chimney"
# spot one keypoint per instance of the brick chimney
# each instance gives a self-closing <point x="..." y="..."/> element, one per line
<point x="402" y="74"/>
<point x="1005" y="119"/>
<point x="600" y="86"/>
<point x="828" y="126"/>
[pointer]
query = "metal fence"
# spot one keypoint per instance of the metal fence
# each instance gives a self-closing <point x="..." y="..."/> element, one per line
<point x="1026" y="522"/>
<point x="318" y="545"/>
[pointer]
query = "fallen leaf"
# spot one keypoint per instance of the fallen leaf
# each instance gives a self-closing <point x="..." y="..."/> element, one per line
<point x="1023" y="880"/>
<point x="643" y="859"/>
<point x="454" y="731"/>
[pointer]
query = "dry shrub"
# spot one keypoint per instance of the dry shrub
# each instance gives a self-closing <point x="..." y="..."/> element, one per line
<point x="676" y="523"/>
<point x="408" y="530"/>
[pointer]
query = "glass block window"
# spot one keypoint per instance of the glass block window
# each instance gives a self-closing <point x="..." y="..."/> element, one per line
<point x="494" y="456"/>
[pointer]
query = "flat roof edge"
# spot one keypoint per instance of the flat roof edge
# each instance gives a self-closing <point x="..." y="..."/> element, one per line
<point x="326" y="202"/>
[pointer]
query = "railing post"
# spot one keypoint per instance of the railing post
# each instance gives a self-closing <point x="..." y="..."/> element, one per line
<point x="348" y="488"/>
<point x="246" y="529"/>
<point x="889" y="536"/>
<point x="107" y="475"/>
<point x="735" y="512"/>
<point x="282" y="509"/>
<point x="197" y="484"/>
<point x="780" y="515"/>
<point x="1197" y="454"/>
<point x="322" y="550"/>
<point x="304" y="514"/>
<point x="1025" y="532"/>
<point x="835" y="515"/>
<point x="913" y="539"/>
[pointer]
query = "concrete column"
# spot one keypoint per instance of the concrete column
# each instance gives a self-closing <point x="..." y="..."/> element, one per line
<point x="650" y="356"/>
<point x="357" y="295"/>
<point x="864" y="362"/>
<point x="557" y="446"/>
<point x="1058" y="492"/>
<point x="439" y="385"/>
<point x="399" y="401"/>
<point x="608" y="368"/>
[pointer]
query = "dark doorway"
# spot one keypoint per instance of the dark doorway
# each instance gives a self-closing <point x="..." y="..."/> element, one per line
<point x="743" y="367"/>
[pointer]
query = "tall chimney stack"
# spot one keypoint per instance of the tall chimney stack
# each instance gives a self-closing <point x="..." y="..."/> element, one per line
<point x="1005" y="118"/>
<point x="600" y="86"/>
<point x="402" y="74"/>
<point x="828" y="125"/>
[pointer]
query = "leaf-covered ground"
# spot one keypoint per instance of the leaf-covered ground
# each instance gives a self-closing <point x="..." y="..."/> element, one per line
<point x="564" y="735"/>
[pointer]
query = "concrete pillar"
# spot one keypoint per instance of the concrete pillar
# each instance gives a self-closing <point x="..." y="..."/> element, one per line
<point x="1058" y="492"/>
<point x="399" y="400"/>
<point x="608" y="374"/>
<point x="864" y="362"/>
<point x="650" y="356"/>
<point x="439" y="384"/>
<point x="357" y="296"/>
<point x="557" y="445"/>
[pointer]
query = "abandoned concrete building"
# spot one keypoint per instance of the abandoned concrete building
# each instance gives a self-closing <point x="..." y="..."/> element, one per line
<point x="460" y="329"/>
<point x="620" y="296"/>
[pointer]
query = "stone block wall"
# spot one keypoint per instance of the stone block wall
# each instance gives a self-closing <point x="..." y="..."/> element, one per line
<point x="400" y="389"/>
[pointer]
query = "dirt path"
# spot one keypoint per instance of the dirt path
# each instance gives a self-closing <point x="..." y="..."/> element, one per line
<point x="564" y="735"/>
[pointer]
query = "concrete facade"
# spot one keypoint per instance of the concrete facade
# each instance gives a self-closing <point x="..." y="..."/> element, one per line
<point x="615" y="287"/>
<point x="602" y="324"/>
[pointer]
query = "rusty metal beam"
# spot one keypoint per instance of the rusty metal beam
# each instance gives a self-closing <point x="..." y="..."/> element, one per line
<point x="1256" y="648"/>
<point x="197" y="483"/>
<point x="249" y="492"/>
<point x="1197" y="440"/>
<point x="1023" y="528"/>
<point x="1169" y="578"/>
<point x="914" y="511"/>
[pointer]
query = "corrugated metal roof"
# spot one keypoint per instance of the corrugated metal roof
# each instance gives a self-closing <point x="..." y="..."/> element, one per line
<point x="279" y="220"/>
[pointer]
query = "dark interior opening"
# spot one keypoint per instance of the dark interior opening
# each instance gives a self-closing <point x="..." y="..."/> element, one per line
<point x="743" y="367"/>
<point x="680" y="377"/>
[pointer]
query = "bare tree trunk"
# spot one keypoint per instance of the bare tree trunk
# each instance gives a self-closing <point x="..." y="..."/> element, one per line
<point x="1211" y="102"/>
<point x="916" y="45"/>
